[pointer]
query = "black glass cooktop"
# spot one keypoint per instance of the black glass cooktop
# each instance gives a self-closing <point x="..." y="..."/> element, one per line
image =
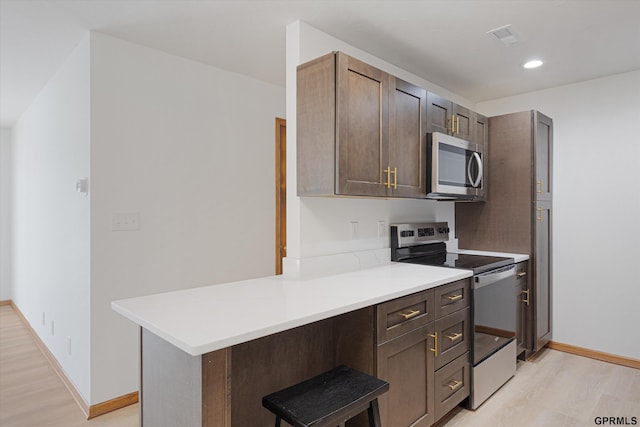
<point x="477" y="263"/>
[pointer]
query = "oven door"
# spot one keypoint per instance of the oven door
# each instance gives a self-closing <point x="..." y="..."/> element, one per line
<point x="455" y="168"/>
<point x="494" y="311"/>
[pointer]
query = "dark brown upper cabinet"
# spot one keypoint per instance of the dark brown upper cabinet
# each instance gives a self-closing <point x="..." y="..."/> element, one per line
<point x="481" y="132"/>
<point x="407" y="138"/>
<point x="360" y="131"/>
<point x="450" y="118"/>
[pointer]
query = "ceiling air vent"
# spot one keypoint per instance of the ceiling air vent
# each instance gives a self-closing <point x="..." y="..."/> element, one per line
<point x="504" y="34"/>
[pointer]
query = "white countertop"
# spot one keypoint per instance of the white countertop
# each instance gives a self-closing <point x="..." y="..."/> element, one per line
<point x="209" y="318"/>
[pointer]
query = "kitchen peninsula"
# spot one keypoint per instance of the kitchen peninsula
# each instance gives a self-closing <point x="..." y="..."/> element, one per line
<point x="209" y="354"/>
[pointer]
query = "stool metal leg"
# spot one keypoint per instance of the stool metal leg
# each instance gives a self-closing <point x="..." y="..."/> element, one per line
<point x="278" y="419"/>
<point x="374" y="414"/>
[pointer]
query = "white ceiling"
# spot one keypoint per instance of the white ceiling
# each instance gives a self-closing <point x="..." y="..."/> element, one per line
<point x="442" y="41"/>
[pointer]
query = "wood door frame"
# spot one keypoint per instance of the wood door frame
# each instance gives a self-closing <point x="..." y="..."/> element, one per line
<point x="281" y="192"/>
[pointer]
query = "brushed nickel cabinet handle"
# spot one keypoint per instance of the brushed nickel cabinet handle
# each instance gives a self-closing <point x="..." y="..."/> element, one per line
<point x="435" y="343"/>
<point x="410" y="314"/>
<point x="454" y="297"/>
<point x="454" y="336"/>
<point x="454" y="384"/>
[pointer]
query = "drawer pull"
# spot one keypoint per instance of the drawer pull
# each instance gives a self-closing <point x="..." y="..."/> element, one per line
<point x="454" y="297"/>
<point x="435" y="343"/>
<point x="410" y="314"/>
<point x="454" y="384"/>
<point x="454" y="336"/>
<point x="525" y="299"/>
<point x="522" y="274"/>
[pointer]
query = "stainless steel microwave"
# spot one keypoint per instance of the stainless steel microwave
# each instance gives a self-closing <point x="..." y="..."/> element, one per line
<point x="454" y="168"/>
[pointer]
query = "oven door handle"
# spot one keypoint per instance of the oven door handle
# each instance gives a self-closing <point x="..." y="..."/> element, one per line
<point x="484" y="279"/>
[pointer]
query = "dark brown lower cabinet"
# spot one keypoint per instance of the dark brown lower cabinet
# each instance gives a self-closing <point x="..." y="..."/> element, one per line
<point x="406" y="363"/>
<point x="428" y="367"/>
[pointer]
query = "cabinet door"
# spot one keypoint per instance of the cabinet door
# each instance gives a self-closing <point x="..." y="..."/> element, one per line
<point x="464" y="122"/>
<point x="542" y="289"/>
<point x="522" y="306"/>
<point x="406" y="363"/>
<point x="439" y="112"/>
<point x="362" y="128"/>
<point x="481" y="133"/>
<point x="543" y="141"/>
<point x="407" y="139"/>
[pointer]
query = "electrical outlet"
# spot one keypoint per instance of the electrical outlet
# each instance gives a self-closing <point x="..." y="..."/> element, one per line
<point x="382" y="230"/>
<point x="129" y="221"/>
<point x="354" y="230"/>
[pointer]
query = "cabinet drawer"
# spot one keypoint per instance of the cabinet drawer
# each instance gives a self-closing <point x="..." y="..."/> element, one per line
<point x="452" y="385"/>
<point x="405" y="314"/>
<point x="452" y="297"/>
<point x="452" y="336"/>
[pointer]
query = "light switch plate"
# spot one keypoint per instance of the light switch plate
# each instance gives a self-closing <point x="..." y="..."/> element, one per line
<point x="129" y="221"/>
<point x="82" y="186"/>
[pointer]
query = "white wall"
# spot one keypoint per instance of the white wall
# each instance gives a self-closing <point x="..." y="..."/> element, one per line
<point x="51" y="220"/>
<point x="6" y="153"/>
<point x="321" y="226"/>
<point x="596" y="209"/>
<point x="192" y="149"/>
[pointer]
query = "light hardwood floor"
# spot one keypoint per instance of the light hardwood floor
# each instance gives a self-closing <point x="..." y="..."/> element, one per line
<point x="31" y="393"/>
<point x="555" y="389"/>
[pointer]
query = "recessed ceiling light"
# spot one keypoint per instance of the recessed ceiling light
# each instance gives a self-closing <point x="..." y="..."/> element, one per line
<point x="535" y="63"/>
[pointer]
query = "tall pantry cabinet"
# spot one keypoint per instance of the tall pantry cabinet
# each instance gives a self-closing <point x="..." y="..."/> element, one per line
<point x="517" y="214"/>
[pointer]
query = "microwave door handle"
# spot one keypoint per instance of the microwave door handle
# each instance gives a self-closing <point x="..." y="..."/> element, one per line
<point x="478" y="160"/>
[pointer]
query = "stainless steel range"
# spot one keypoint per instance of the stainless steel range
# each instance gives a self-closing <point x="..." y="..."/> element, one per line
<point x="493" y="303"/>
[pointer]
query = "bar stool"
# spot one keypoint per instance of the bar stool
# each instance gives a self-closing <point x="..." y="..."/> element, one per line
<point x="329" y="399"/>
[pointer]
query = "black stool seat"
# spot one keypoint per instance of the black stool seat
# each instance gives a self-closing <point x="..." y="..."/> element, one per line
<point x="328" y="399"/>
